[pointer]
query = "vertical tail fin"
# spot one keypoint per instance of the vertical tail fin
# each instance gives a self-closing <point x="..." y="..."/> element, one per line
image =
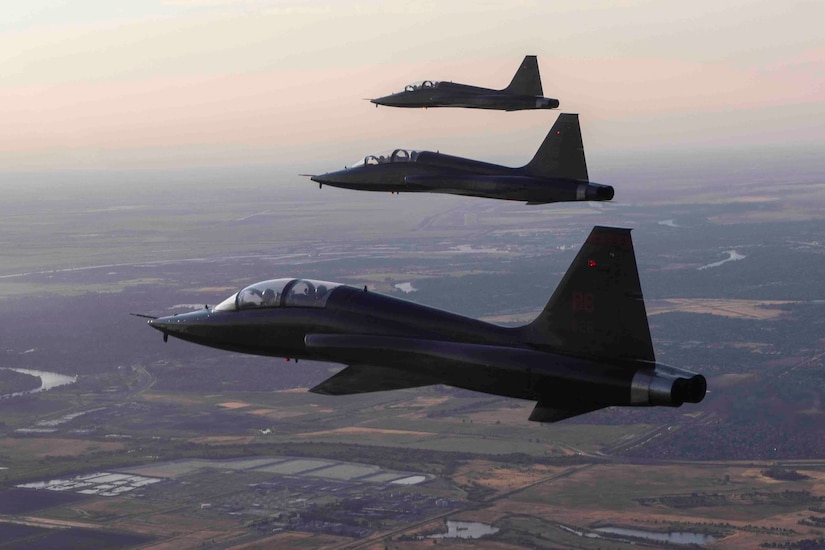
<point x="598" y="309"/>
<point x="561" y="155"/>
<point x="526" y="80"/>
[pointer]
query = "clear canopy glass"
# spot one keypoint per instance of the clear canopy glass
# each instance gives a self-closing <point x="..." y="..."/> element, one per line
<point x="396" y="155"/>
<point x="421" y="85"/>
<point x="279" y="293"/>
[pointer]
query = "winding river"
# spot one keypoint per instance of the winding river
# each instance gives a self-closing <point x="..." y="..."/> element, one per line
<point x="48" y="380"/>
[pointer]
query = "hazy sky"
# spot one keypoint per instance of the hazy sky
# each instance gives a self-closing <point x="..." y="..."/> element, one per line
<point x="177" y="83"/>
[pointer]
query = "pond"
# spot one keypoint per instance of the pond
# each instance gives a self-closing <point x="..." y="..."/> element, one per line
<point x="465" y="530"/>
<point x="675" y="537"/>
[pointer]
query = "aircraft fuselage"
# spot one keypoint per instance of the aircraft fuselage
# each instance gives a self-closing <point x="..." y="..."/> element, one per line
<point x="469" y="354"/>
<point x="450" y="94"/>
<point x="432" y="172"/>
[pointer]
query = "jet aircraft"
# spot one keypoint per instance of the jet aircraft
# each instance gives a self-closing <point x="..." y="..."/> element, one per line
<point x="590" y="348"/>
<point x="557" y="172"/>
<point x="524" y="92"/>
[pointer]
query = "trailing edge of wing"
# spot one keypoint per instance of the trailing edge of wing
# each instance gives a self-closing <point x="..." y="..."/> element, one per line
<point x="549" y="413"/>
<point x="369" y="378"/>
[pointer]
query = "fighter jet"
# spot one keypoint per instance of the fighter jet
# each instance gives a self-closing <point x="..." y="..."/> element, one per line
<point x="590" y="347"/>
<point x="557" y="173"/>
<point x="524" y="92"/>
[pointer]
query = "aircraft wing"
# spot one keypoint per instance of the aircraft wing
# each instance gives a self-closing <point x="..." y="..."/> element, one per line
<point x="359" y="378"/>
<point x="418" y="362"/>
<point x="478" y="182"/>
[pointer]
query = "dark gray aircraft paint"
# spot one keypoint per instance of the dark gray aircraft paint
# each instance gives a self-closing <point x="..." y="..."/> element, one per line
<point x="557" y="172"/>
<point x="524" y="92"/>
<point x="590" y="348"/>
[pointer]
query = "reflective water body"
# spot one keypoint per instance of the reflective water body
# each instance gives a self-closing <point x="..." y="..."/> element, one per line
<point x="677" y="537"/>
<point x="733" y="256"/>
<point x="465" y="530"/>
<point x="48" y="380"/>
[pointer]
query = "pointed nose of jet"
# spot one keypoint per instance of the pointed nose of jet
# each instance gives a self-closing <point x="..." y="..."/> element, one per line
<point x="394" y="100"/>
<point x="340" y="178"/>
<point x="180" y="325"/>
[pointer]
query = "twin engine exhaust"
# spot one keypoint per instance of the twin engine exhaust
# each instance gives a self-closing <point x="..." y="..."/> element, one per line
<point x="667" y="386"/>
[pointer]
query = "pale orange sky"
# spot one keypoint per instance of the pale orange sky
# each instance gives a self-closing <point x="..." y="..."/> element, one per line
<point x="183" y="83"/>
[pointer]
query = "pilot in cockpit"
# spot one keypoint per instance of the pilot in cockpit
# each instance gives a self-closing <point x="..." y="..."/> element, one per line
<point x="270" y="298"/>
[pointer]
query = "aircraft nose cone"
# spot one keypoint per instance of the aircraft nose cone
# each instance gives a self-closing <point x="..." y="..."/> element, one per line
<point x="160" y="323"/>
<point x="167" y="325"/>
<point x="182" y="324"/>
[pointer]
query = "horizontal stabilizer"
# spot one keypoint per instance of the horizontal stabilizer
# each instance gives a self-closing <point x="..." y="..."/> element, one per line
<point x="368" y="378"/>
<point x="550" y="413"/>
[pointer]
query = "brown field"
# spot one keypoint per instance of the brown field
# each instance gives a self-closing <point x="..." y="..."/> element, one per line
<point x="215" y="289"/>
<point x="109" y="507"/>
<point x="38" y="448"/>
<point x="759" y="310"/>
<point x="355" y="430"/>
<point x="512" y="413"/>
<point x="275" y="414"/>
<point x="234" y="405"/>
<point x="733" y="380"/>
<point x="292" y="539"/>
<point x="223" y="440"/>
<point x="46" y="522"/>
<point x="170" y="398"/>
<point x="420" y="402"/>
<point x="499" y="478"/>
<point x="181" y="528"/>
<point x="598" y="495"/>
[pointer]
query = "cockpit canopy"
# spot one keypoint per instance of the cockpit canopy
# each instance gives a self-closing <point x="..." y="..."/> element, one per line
<point x="421" y="85"/>
<point x="398" y="155"/>
<point x="279" y="293"/>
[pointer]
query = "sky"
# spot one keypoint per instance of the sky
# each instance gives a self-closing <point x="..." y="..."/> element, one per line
<point x="96" y="84"/>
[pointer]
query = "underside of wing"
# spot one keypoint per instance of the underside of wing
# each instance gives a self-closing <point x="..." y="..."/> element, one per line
<point x="369" y="378"/>
<point x="550" y="412"/>
<point x="497" y="370"/>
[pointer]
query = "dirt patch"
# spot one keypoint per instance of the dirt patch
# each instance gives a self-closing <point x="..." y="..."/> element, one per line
<point x="354" y="430"/>
<point x="170" y="525"/>
<point x="498" y="478"/>
<point x="759" y="310"/>
<point x="274" y="414"/>
<point x="233" y="405"/>
<point x="294" y="540"/>
<point x="421" y="402"/>
<point x="170" y="398"/>
<point x="56" y="446"/>
<point x="733" y="380"/>
<point x="514" y="414"/>
<point x="223" y="440"/>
